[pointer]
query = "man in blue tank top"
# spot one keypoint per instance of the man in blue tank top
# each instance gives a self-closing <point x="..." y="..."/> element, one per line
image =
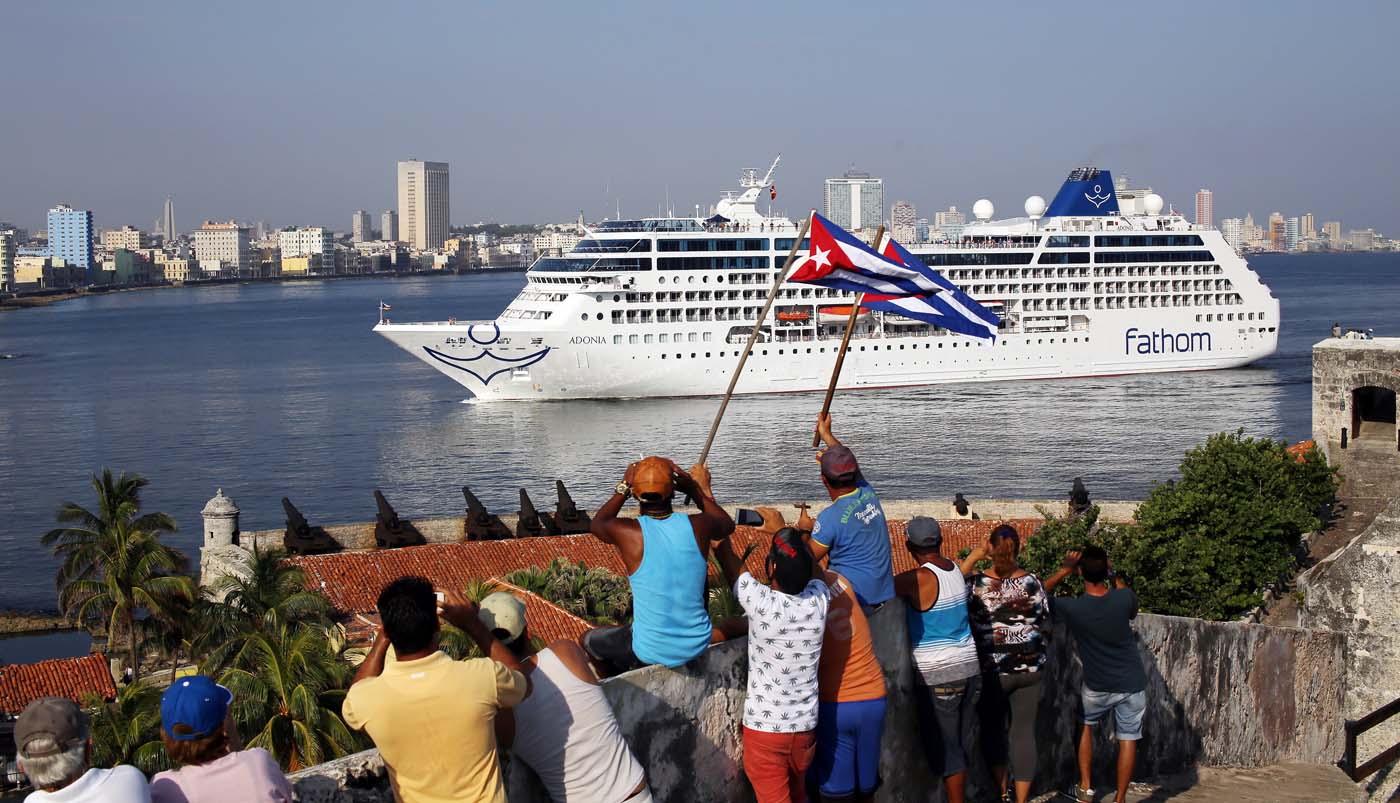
<point x="666" y="556"/>
<point x="852" y="530"/>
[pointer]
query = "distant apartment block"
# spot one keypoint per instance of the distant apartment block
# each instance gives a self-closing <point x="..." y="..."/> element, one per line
<point x="854" y="200"/>
<point x="1332" y="230"/>
<point x="1307" y="226"/>
<point x="902" y="221"/>
<point x="225" y="250"/>
<point x="70" y="236"/>
<point x="1205" y="208"/>
<point x="1232" y="229"/>
<point x="424" y="210"/>
<point x="555" y="243"/>
<point x="389" y="225"/>
<point x="361" y="230"/>
<point x="8" y="249"/>
<point x="128" y="237"/>
<point x="314" y="245"/>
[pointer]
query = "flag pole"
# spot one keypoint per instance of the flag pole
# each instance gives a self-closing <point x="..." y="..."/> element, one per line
<point x="845" y="341"/>
<point x="748" y="344"/>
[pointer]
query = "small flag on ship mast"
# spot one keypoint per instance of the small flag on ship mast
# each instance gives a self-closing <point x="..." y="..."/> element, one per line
<point x="383" y="308"/>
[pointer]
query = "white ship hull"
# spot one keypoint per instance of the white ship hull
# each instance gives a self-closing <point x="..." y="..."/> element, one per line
<point x="569" y="366"/>
<point x="662" y="306"/>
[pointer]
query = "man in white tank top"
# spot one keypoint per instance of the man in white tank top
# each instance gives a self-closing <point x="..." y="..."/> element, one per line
<point x="564" y="729"/>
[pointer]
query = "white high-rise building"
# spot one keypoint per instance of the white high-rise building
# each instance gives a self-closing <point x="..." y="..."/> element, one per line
<point x="389" y="225"/>
<point x="8" y="249"/>
<point x="1232" y="228"/>
<point x="305" y="242"/>
<point x="1290" y="234"/>
<point x="361" y="230"/>
<point x="1205" y="208"/>
<point x="1332" y="230"/>
<point x="1307" y="227"/>
<point x="854" y="201"/>
<point x="423" y="204"/>
<point x="225" y="250"/>
<point x="902" y="222"/>
<point x="167" y="220"/>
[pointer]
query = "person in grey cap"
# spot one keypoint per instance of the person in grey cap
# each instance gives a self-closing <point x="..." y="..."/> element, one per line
<point x="564" y="729"/>
<point x="852" y="531"/>
<point x="946" y="671"/>
<point x="53" y="741"/>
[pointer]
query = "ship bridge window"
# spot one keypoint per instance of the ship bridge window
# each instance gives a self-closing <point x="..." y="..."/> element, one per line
<point x="982" y="258"/>
<point x="718" y="244"/>
<point x="1148" y="241"/>
<point x="1066" y="241"/>
<point x="1064" y="258"/>
<point x="580" y="265"/>
<point x="785" y="244"/>
<point x="1152" y="256"/>
<point x="662" y="224"/>
<point x="591" y="246"/>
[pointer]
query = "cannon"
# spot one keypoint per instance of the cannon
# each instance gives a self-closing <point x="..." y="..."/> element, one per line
<point x="301" y="538"/>
<point x="568" y="518"/>
<point x="390" y="531"/>
<point x="481" y="524"/>
<point x="1079" y="498"/>
<point x="530" y="523"/>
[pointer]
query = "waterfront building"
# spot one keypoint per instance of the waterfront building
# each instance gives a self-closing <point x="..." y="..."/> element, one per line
<point x="307" y="241"/>
<point x="424" y="210"/>
<point x="1332" y="230"/>
<point x="1307" y="227"/>
<point x="70" y="236"/>
<point x="949" y="223"/>
<point x="1362" y="239"/>
<point x="1290" y="234"/>
<point x="1232" y="229"/>
<point x="1277" y="232"/>
<point x="555" y="243"/>
<point x="124" y="266"/>
<point x="7" y="261"/>
<point x="902" y="220"/>
<point x="128" y="237"/>
<point x="1205" y="208"/>
<point x="855" y="200"/>
<point x="305" y="265"/>
<point x="41" y="272"/>
<point x="389" y="225"/>
<point x="360" y="228"/>
<point x="175" y="268"/>
<point x="225" y="250"/>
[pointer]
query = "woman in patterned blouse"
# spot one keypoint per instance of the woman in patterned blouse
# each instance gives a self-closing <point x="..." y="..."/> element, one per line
<point x="1007" y="607"/>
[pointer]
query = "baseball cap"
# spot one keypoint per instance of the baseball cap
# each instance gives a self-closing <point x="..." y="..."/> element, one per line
<point x="56" y="718"/>
<point x="924" y="533"/>
<point x="838" y="462"/>
<point x="653" y="476"/>
<point x="503" y="613"/>
<point x="196" y="702"/>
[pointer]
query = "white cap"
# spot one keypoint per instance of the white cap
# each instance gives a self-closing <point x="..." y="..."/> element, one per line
<point x="502" y="612"/>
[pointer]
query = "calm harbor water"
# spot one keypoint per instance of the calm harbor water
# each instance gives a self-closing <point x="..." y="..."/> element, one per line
<point x="272" y="390"/>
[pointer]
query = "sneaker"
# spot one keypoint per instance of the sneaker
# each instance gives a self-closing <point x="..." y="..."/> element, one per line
<point x="1079" y="795"/>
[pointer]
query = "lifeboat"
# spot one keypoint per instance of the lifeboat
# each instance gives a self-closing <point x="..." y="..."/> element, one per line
<point x="840" y="314"/>
<point x="794" y="315"/>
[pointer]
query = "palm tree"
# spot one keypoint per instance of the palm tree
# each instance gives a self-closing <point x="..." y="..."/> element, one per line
<point x="288" y="685"/>
<point x="127" y="729"/>
<point x="115" y="570"/>
<point x="595" y="594"/>
<point x="271" y="592"/>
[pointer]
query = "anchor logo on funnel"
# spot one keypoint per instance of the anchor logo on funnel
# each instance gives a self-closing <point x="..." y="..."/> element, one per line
<point x="1099" y="198"/>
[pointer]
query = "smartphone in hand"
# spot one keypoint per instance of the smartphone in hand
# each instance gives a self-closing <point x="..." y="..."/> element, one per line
<point x="748" y="518"/>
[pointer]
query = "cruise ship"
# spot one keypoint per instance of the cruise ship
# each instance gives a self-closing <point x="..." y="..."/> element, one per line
<point x="1099" y="282"/>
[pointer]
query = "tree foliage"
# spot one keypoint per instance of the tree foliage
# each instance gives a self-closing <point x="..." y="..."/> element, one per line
<point x="115" y="571"/>
<point x="127" y="729"/>
<point x="1210" y="543"/>
<point x="594" y="594"/>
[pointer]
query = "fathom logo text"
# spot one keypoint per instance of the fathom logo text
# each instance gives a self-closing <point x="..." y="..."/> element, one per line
<point x="1164" y="342"/>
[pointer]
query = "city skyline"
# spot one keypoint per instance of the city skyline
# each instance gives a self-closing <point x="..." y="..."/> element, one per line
<point x="518" y="160"/>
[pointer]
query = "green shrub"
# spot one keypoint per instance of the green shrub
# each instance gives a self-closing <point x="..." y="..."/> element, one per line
<point x="1045" y="551"/>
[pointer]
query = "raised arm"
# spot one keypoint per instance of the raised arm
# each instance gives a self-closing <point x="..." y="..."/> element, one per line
<point x="712" y="522"/>
<point x="1067" y="567"/>
<point x="729" y="563"/>
<point x="607" y="526"/>
<point x="824" y="430"/>
<point x="462" y="613"/>
<point x="373" y="665"/>
<point x="969" y="564"/>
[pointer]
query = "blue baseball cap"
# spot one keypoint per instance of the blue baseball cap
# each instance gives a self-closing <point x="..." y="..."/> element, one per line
<point x="196" y="702"/>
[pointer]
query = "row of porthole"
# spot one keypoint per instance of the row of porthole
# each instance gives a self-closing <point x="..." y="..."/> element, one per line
<point x="849" y="349"/>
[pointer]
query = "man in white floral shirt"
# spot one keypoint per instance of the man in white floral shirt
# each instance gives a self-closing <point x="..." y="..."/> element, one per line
<point x="787" y="619"/>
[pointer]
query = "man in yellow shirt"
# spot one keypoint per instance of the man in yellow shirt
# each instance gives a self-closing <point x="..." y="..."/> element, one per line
<point x="431" y="717"/>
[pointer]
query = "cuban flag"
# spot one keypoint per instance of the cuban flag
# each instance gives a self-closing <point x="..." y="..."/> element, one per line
<point x="951" y="309"/>
<point x="836" y="259"/>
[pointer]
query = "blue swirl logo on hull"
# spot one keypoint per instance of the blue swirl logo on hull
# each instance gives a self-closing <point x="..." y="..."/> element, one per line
<point x="486" y="362"/>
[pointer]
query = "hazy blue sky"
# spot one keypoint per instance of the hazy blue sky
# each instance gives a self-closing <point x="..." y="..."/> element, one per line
<point x="295" y="112"/>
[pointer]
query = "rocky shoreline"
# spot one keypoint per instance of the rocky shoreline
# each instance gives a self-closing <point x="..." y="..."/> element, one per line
<point x="17" y="622"/>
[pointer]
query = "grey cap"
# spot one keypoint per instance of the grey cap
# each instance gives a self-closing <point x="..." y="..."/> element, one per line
<point x="55" y="718"/>
<point x="924" y="533"/>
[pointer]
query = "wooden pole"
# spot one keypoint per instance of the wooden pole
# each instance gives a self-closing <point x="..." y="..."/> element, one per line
<point x="845" y="341"/>
<point x="748" y="345"/>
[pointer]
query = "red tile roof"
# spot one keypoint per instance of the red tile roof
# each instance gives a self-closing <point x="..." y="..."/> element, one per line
<point x="74" y="678"/>
<point x="548" y="622"/>
<point x="1300" y="450"/>
<point x="352" y="580"/>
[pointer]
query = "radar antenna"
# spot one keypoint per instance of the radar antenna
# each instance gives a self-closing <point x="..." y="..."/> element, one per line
<point x="749" y="176"/>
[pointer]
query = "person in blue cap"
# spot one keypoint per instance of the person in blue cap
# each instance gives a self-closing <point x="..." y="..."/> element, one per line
<point x="200" y="739"/>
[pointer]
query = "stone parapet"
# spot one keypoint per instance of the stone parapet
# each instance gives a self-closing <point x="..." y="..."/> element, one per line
<point x="1219" y="694"/>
